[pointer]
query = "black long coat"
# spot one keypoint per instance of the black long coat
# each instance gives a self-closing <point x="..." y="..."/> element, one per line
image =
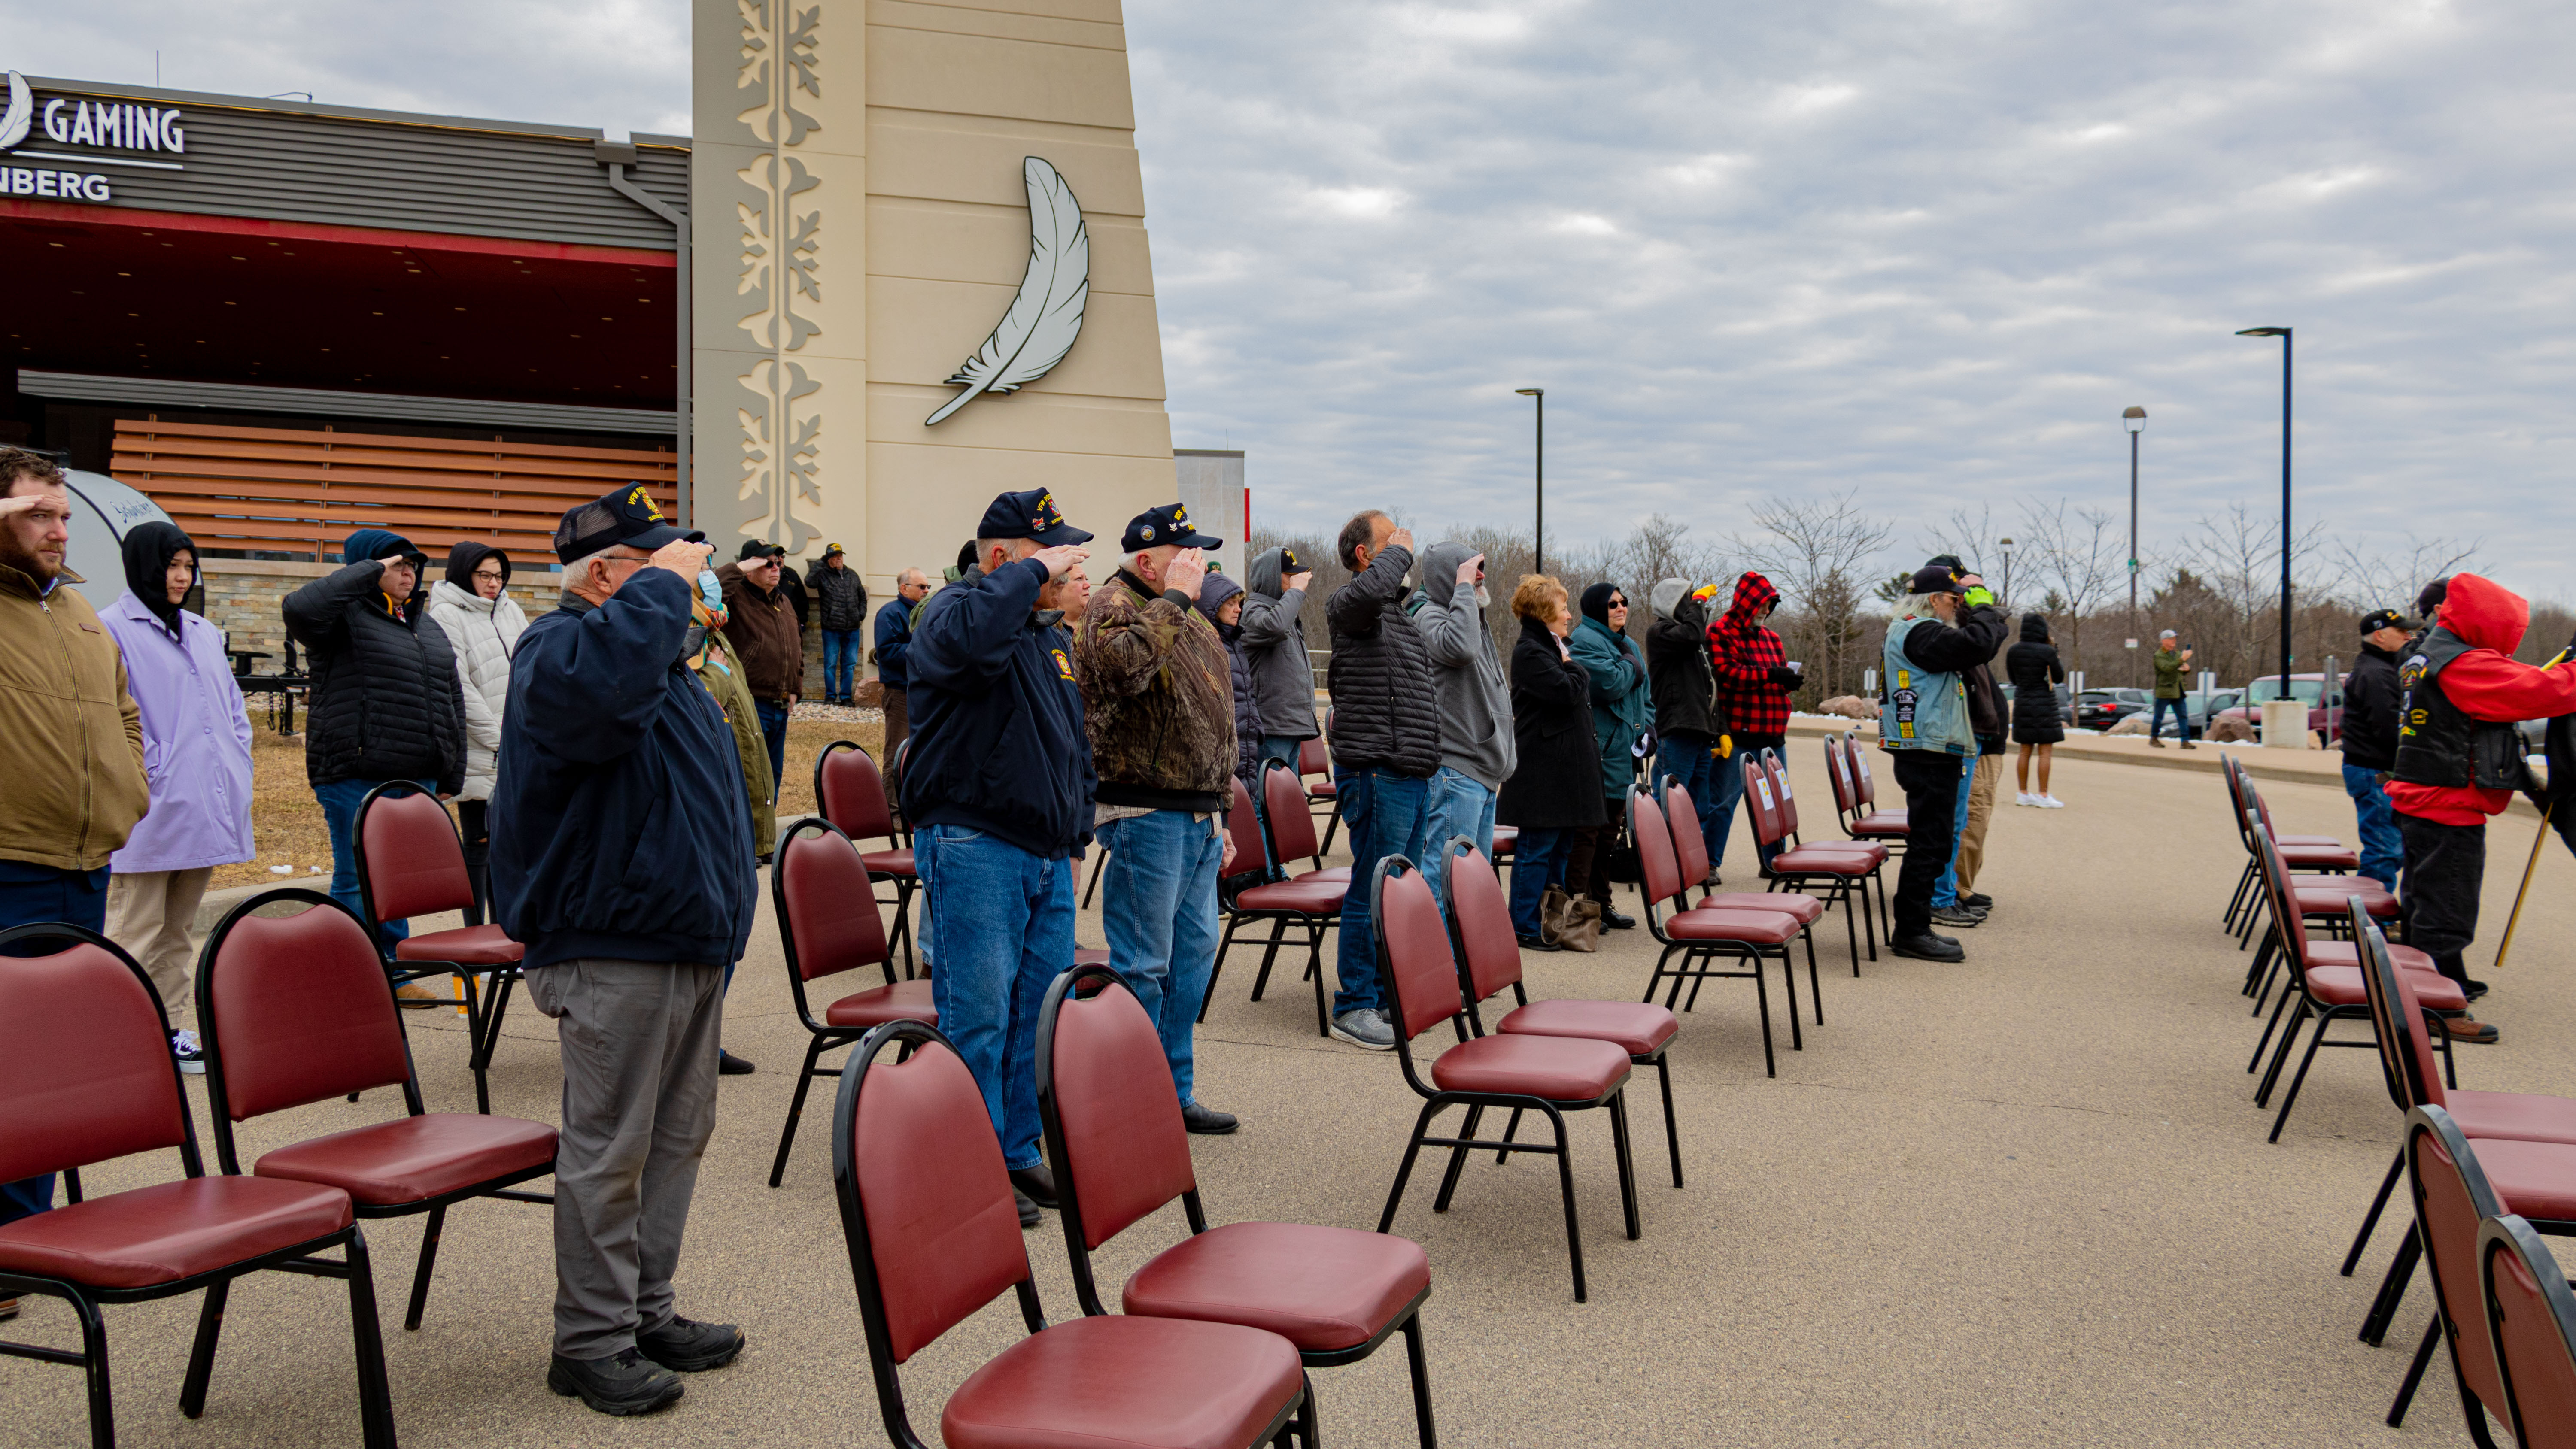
<point x="2035" y="670"/>
<point x="1558" y="782"/>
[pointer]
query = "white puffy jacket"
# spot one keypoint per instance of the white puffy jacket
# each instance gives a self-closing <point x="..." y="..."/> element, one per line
<point x="483" y="632"/>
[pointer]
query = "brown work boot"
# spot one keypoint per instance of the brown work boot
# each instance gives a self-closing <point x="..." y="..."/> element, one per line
<point x="2467" y="1028"/>
<point x="2188" y="745"/>
<point x="2155" y="742"/>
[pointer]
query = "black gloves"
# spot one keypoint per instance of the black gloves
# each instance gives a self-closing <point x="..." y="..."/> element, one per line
<point x="1784" y="676"/>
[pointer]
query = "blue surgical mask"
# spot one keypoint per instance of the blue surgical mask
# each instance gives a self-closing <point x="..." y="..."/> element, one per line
<point x="710" y="589"/>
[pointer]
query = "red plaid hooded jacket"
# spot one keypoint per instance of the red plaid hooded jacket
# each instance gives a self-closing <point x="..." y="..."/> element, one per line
<point x="1742" y="652"/>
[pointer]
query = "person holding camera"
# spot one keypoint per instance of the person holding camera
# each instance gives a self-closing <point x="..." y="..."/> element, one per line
<point x="2171" y="660"/>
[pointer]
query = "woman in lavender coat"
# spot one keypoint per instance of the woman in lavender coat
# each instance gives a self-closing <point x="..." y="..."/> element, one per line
<point x="196" y="754"/>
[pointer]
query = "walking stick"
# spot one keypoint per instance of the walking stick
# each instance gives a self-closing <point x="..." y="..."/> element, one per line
<point x="2505" y="947"/>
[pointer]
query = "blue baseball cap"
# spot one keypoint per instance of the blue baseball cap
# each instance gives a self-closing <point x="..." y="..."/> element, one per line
<point x="626" y="515"/>
<point x="1169" y="524"/>
<point x="1032" y="515"/>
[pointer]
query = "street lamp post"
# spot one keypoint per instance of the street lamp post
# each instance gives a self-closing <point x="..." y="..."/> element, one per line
<point x="2136" y="419"/>
<point x="2007" y="546"/>
<point x="2284" y="334"/>
<point x="1538" y="466"/>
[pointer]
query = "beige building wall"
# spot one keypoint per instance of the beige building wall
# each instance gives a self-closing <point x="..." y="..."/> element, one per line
<point x="860" y="224"/>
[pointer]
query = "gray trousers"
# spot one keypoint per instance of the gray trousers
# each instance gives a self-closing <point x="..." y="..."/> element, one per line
<point x="639" y="1099"/>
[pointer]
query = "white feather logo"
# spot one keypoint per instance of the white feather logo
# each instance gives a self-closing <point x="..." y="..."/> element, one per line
<point x="22" y="108"/>
<point x="1047" y="314"/>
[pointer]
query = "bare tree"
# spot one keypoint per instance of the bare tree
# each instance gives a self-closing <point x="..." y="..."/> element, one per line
<point x="2390" y="579"/>
<point x="1820" y="553"/>
<point x="2238" y="558"/>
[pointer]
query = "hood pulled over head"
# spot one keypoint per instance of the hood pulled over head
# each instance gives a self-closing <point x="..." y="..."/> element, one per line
<point x="2484" y="613"/>
<point x="2034" y="629"/>
<point x="1754" y="600"/>
<point x="1213" y="593"/>
<point x="1666" y="594"/>
<point x="1440" y="571"/>
<point x="1267" y="574"/>
<point x="148" y="549"/>
<point x="1596" y="603"/>
<point x="466" y="556"/>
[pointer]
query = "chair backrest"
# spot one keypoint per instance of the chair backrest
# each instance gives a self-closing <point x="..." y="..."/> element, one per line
<point x="2531" y="1316"/>
<point x="1862" y="780"/>
<point x="1778" y="770"/>
<point x="1690" y="848"/>
<point x="1243" y="827"/>
<point x="1482" y="917"/>
<point x="1106" y="1084"/>
<point x="295" y="1009"/>
<point x="85" y="1066"/>
<point x="925" y="1204"/>
<point x="409" y="854"/>
<point x="2405" y="1052"/>
<point x="2289" y="928"/>
<point x="1311" y="758"/>
<point x="1291" y="823"/>
<point x="826" y="907"/>
<point x="850" y="793"/>
<point x="2452" y="1197"/>
<point x="1413" y="948"/>
<point x="1838" y="770"/>
<point x="1659" y="874"/>
<point x="1759" y="799"/>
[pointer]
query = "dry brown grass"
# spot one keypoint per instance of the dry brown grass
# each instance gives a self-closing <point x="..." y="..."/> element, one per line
<point x="286" y="821"/>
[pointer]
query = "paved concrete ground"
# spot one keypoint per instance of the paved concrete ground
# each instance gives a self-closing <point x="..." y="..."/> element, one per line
<point x="2022" y="1200"/>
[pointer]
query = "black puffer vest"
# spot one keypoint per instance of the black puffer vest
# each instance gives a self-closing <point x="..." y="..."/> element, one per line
<point x="2438" y="743"/>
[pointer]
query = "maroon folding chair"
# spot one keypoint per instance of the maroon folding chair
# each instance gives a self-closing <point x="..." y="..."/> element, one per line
<point x="1113" y="1131"/>
<point x="411" y="862"/>
<point x="2318" y="899"/>
<point x="1842" y="870"/>
<point x="2455" y="1188"/>
<point x="850" y="793"/>
<point x="295" y="1010"/>
<point x="1860" y="819"/>
<point x="1314" y="759"/>
<point x="926" y="1212"/>
<point x="2317" y="854"/>
<point x="825" y="901"/>
<point x="1552" y="1075"/>
<point x="1311" y="902"/>
<point x="1877" y="853"/>
<point x="86" y="1076"/>
<point x="1701" y="937"/>
<point x="1690" y="858"/>
<point x="2531" y="1318"/>
<point x="1489" y="963"/>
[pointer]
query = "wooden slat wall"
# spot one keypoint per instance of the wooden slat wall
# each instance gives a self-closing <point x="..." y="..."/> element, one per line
<point x="296" y="491"/>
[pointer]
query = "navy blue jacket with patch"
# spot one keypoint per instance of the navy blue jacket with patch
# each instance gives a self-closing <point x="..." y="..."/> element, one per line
<point x="617" y="822"/>
<point x="997" y="737"/>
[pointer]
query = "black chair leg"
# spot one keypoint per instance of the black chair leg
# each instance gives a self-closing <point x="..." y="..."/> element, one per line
<point x="429" y="1237"/>
<point x="2387" y="1185"/>
<point x="1232" y="920"/>
<point x="1565" y="1185"/>
<point x="1315" y="968"/>
<point x="102" y="1402"/>
<point x="1813" y="989"/>
<point x="375" y="1399"/>
<point x="1672" y="1138"/>
<point x="2255" y="1062"/>
<point x="1511" y="1129"/>
<point x="1620" y="1145"/>
<point x="2281" y="1056"/>
<point x="201" y="1354"/>
<point x="1789" y="976"/>
<point x="1404" y="1170"/>
<point x="1413" y="1357"/>
<point x="2415" y="1373"/>
<point x="1458" y="1158"/>
<point x="1762" y="998"/>
<point x="2392" y="1288"/>
<point x="2290" y="1099"/>
<point x="1093" y="887"/>
<point x="1269" y="954"/>
<point x="796" y="1107"/>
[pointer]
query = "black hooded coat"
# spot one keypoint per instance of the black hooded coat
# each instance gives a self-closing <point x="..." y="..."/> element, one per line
<point x="2035" y="671"/>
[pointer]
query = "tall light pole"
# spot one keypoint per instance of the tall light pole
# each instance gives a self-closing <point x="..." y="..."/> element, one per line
<point x="2136" y="419"/>
<point x="2284" y="334"/>
<point x="1538" y="467"/>
<point x="2007" y="546"/>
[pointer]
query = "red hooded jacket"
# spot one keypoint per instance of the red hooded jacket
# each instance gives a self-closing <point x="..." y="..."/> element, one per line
<point x="1743" y="651"/>
<point x="2487" y="684"/>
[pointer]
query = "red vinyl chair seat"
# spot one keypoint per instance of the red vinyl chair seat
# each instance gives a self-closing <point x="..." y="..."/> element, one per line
<point x="1758" y="928"/>
<point x="1124" y="1382"/>
<point x="1635" y="1027"/>
<point x="1322" y="1289"/>
<point x="1880" y="825"/>
<point x="2319" y="857"/>
<point x="888" y="862"/>
<point x="1805" y="909"/>
<point x="2328" y="900"/>
<point x="412" y="1159"/>
<point x="2327" y="842"/>
<point x="2345" y="953"/>
<point x="1560" y="1069"/>
<point x="1082" y="956"/>
<point x="2341" y="986"/>
<point x="1339" y="875"/>
<point x="1820" y="860"/>
<point x="2535" y="1179"/>
<point x="464" y="945"/>
<point x="880" y="1004"/>
<point x="171" y="1230"/>
<point x="2512" y="1117"/>
<point x="1305" y="896"/>
<point x="1507" y="838"/>
<point x="1323" y="790"/>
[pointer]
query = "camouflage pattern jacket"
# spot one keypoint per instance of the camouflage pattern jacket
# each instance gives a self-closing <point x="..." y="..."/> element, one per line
<point x="1158" y="699"/>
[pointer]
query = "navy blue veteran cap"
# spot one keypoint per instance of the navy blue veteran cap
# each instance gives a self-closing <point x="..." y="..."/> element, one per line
<point x="1031" y="515"/>
<point x="628" y="516"/>
<point x="1169" y="524"/>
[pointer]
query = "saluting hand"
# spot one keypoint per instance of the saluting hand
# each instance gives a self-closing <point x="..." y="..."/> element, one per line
<point x="1184" y="574"/>
<point x="1060" y="559"/>
<point x="682" y="557"/>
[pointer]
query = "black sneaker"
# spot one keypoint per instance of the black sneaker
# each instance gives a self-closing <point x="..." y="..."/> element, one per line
<point x="1207" y="1121"/>
<point x="2470" y="989"/>
<point x="729" y="1065"/>
<point x="1035" y="1183"/>
<point x="1028" y="1209"/>
<point x="1533" y="943"/>
<point x="687" y="1346"/>
<point x="625" y="1383"/>
<point x="1617" y="922"/>
<point x="1928" y="947"/>
<point x="191" y="1054"/>
<point x="1978" y="902"/>
<point x="1955" y="917"/>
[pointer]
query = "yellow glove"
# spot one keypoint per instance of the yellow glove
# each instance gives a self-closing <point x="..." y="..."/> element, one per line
<point x="1726" y="747"/>
<point x="1978" y="595"/>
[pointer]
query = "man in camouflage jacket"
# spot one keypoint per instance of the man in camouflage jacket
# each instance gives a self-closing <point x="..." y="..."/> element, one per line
<point x="1158" y="702"/>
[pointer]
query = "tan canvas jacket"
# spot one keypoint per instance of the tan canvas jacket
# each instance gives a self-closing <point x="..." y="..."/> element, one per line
<point x="75" y="740"/>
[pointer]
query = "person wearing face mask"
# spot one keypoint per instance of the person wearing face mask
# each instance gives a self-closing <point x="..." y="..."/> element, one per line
<point x="386" y="703"/>
<point x="473" y="608"/>
<point x="1623" y="720"/>
<point x="196" y="758"/>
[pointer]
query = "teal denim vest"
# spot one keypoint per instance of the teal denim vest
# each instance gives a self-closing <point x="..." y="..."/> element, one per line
<point x="1923" y="710"/>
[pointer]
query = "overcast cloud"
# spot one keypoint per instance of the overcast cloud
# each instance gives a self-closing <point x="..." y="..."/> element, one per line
<point x="1928" y="251"/>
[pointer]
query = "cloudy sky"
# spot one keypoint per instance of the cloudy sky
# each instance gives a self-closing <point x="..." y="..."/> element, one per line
<point x="1925" y="251"/>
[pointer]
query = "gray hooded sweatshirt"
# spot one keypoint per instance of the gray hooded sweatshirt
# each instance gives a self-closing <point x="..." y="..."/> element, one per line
<point x="1475" y="695"/>
<point x="1283" y="675"/>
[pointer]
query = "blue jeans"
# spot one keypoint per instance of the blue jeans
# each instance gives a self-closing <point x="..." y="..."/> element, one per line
<point x="340" y="812"/>
<point x="2383" y="850"/>
<point x="2181" y="718"/>
<point x="773" y="730"/>
<point x="1539" y="859"/>
<point x="1695" y="764"/>
<point x="1158" y="904"/>
<point x="1001" y="923"/>
<point x="840" y="663"/>
<point x="1387" y="814"/>
<point x="1458" y="806"/>
<point x="1281" y="748"/>
<point x="30" y="894"/>
<point x="1945" y="891"/>
<point x="1719" y="822"/>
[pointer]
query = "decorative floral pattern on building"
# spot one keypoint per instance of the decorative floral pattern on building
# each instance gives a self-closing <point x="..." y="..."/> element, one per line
<point x="780" y="441"/>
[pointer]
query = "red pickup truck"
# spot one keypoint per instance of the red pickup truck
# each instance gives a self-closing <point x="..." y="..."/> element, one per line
<point x="2325" y="716"/>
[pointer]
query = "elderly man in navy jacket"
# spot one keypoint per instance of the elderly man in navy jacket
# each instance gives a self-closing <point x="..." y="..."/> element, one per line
<point x="622" y="861"/>
<point x="999" y="789"/>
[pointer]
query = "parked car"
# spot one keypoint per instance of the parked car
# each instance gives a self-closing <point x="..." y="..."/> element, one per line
<point x="2099" y="709"/>
<point x="2201" y="709"/>
<point x="2325" y="716"/>
<point x="2065" y="705"/>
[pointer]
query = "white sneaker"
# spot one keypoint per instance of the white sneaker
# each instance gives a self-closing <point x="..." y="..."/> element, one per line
<point x="2051" y="802"/>
<point x="190" y="1052"/>
<point x="2025" y="798"/>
